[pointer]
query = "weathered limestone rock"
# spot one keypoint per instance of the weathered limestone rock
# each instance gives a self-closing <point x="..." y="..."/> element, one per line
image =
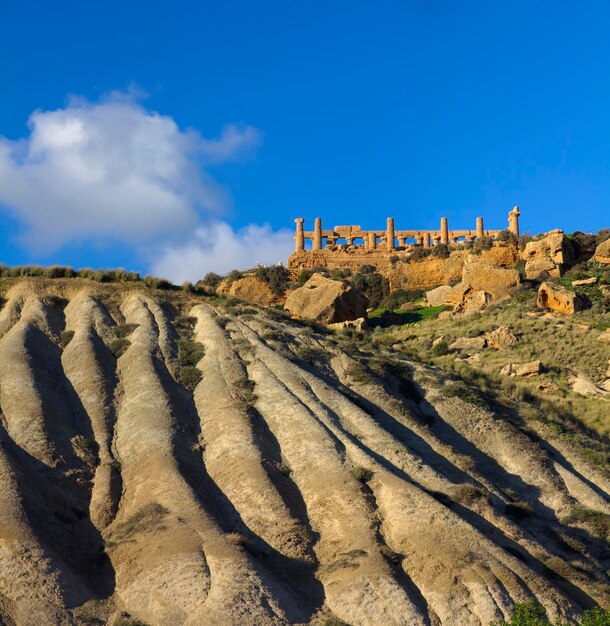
<point x="532" y="368"/>
<point x="605" y="292"/>
<point x="584" y="387"/>
<point x="326" y="301"/>
<point x="602" y="252"/>
<point x="605" y="338"/>
<point x="468" y="301"/>
<point x="548" y="257"/>
<point x="558" y="299"/>
<point x="501" y="337"/>
<point x="440" y="339"/>
<point x="250" y="289"/>
<point x="584" y="281"/>
<point x="425" y="274"/>
<point x="438" y="296"/>
<point x="496" y="281"/>
<point x="359" y="324"/>
<point x="468" y="343"/>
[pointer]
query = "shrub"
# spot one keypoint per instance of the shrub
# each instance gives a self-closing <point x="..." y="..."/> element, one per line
<point x="66" y="337"/>
<point x="124" y="330"/>
<point x="397" y="298"/>
<point x="284" y="469"/>
<point x="518" y="510"/>
<point x="190" y="377"/>
<point x="362" y="474"/>
<point x="374" y="286"/>
<point x="482" y="244"/>
<point x="524" y="239"/>
<point x="189" y="352"/>
<point x="304" y="276"/>
<point x="236" y="539"/>
<point x="531" y="613"/>
<point x="507" y="235"/>
<point x="211" y="280"/>
<point x="419" y="253"/>
<point x="309" y="354"/>
<point x="277" y="277"/>
<point x="234" y="275"/>
<point x="602" y="235"/>
<point x="118" y="347"/>
<point x="441" y="251"/>
<point x="440" y="349"/>
<point x="598" y="521"/>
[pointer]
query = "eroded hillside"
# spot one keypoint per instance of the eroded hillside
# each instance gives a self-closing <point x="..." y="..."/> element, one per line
<point x="172" y="459"/>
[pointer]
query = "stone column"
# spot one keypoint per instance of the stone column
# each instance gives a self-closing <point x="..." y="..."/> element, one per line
<point x="390" y="234"/>
<point x="444" y="231"/>
<point x="299" y="238"/>
<point x="480" y="228"/>
<point x="513" y="221"/>
<point x="317" y="234"/>
<point x="426" y="240"/>
<point x="372" y="240"/>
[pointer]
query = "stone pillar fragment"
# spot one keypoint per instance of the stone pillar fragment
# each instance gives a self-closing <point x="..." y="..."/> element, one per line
<point x="390" y="234"/>
<point x="444" y="231"/>
<point x="426" y="240"/>
<point x="513" y="221"/>
<point x="317" y="234"/>
<point x="372" y="241"/>
<point x="480" y="228"/>
<point x="299" y="238"/>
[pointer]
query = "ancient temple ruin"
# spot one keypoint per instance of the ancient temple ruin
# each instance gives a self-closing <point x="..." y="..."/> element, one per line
<point x="350" y="246"/>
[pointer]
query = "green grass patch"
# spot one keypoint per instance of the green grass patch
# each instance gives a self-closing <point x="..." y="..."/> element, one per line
<point x="419" y="314"/>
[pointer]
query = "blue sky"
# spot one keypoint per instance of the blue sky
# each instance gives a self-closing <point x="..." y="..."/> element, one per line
<point x="352" y="111"/>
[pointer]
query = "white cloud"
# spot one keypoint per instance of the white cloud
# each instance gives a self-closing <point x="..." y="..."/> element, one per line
<point x="218" y="248"/>
<point x="114" y="171"/>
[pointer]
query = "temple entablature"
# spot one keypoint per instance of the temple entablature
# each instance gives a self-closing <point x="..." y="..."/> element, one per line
<point x="383" y="244"/>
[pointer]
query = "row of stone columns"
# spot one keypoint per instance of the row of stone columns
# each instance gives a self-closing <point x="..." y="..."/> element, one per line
<point x="371" y="237"/>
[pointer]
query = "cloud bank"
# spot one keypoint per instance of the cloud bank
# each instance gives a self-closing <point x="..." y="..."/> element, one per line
<point x="113" y="171"/>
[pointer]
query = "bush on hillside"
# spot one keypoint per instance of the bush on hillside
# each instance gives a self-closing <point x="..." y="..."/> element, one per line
<point x="277" y="277"/>
<point x="397" y="298"/>
<point x="507" y="235"/>
<point x="374" y="286"/>
<point x="211" y="281"/>
<point x="419" y="253"/>
<point x="441" y="251"/>
<point x="531" y="613"/>
<point x="482" y="244"/>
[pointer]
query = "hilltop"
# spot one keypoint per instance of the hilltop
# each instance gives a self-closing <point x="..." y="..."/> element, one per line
<point x="170" y="457"/>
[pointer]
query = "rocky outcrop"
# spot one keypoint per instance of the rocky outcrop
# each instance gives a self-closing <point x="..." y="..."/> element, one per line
<point x="584" y="387"/>
<point x="468" y="343"/>
<point x="250" y="289"/>
<point x="438" y="296"/>
<point x="326" y="301"/>
<point x="501" y="337"/>
<point x="425" y="273"/>
<point x="558" y="299"/>
<point x="522" y="369"/>
<point x="548" y="257"/>
<point x="602" y="252"/>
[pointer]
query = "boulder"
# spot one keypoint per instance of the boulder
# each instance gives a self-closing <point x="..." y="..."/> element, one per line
<point x="501" y="337"/>
<point x="468" y="343"/>
<point x="250" y="289"/>
<point x="359" y="324"/>
<point x="584" y="281"/>
<point x="604" y="290"/>
<point x="605" y="338"/>
<point x="531" y="368"/>
<point x="468" y="301"/>
<point x="584" y="387"/>
<point x="602" y="252"/>
<point x="440" y="340"/>
<point x="548" y="257"/>
<point x="438" y="296"/>
<point x="480" y="274"/>
<point x="558" y="299"/>
<point x="327" y="301"/>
